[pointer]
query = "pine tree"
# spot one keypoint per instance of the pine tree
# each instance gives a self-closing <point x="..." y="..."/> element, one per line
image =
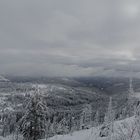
<point x="55" y="124"/>
<point x="52" y="130"/>
<point x="137" y="117"/>
<point x="109" y="117"/>
<point x="107" y="128"/>
<point x="130" y="102"/>
<point x="9" y="124"/>
<point x="81" y="122"/>
<point x="87" y="113"/>
<point x="64" y="125"/>
<point x="33" y="123"/>
<point x="48" y="129"/>
<point x="96" y="119"/>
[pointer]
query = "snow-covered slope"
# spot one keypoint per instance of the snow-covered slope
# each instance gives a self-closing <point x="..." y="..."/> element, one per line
<point x="122" y="129"/>
<point x="3" y="79"/>
<point x="137" y="95"/>
<point x="90" y="134"/>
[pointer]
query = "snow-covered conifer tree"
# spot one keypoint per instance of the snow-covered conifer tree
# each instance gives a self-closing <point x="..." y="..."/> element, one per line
<point x="64" y="125"/>
<point x="86" y="115"/>
<point x="55" y="124"/>
<point x="107" y="128"/>
<point x="109" y="116"/>
<point x="81" y="122"/>
<point x="130" y="102"/>
<point x="96" y="119"/>
<point x="137" y="117"/>
<point x="33" y="123"/>
<point x="9" y="124"/>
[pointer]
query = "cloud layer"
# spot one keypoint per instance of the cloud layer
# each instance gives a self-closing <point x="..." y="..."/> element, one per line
<point x="69" y="37"/>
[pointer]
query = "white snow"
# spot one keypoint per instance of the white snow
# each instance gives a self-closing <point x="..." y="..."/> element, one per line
<point x="49" y="87"/>
<point x="3" y="79"/>
<point x="41" y="86"/>
<point x="93" y="133"/>
<point x="79" y="135"/>
<point x="136" y="95"/>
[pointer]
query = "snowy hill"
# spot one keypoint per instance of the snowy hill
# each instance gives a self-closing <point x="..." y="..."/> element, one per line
<point x="122" y="129"/>
<point x="3" y="79"/>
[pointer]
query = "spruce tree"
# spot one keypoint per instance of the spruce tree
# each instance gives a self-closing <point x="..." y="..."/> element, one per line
<point x="96" y="119"/>
<point x="33" y="123"/>
<point x="107" y="128"/>
<point x="87" y="115"/>
<point x="109" y="116"/>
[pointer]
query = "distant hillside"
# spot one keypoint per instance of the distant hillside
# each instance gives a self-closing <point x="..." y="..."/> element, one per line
<point x="109" y="85"/>
<point x="3" y="79"/>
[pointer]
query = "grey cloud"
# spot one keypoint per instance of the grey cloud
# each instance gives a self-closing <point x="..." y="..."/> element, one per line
<point x="69" y="38"/>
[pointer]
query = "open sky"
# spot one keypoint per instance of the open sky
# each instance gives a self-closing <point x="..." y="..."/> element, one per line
<point x="70" y="37"/>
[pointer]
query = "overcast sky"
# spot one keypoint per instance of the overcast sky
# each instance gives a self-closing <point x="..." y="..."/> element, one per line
<point x="69" y="37"/>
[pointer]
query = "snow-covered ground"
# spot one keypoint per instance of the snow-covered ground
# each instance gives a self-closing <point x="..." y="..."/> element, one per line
<point x="11" y="137"/>
<point x="3" y="79"/>
<point x="137" y="95"/>
<point x="121" y="128"/>
<point x="79" y="135"/>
